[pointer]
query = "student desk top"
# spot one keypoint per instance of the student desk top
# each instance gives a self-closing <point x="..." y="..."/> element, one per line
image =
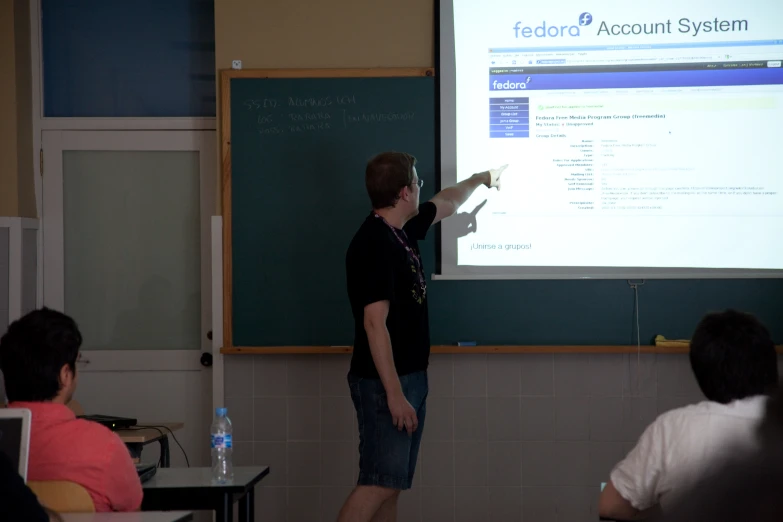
<point x="192" y="488"/>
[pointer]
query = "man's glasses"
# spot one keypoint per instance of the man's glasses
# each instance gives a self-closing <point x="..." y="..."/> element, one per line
<point x="420" y="183"/>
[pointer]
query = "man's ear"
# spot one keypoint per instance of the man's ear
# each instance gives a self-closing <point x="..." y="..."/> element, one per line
<point x="66" y="375"/>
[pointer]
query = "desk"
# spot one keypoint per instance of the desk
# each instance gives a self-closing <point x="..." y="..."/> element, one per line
<point x="139" y="436"/>
<point x="192" y="489"/>
<point x="149" y="516"/>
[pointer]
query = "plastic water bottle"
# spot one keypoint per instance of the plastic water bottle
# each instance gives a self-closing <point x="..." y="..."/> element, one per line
<point x="222" y="435"/>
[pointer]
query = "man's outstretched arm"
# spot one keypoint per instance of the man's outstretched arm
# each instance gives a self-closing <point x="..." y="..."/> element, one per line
<point x="448" y="200"/>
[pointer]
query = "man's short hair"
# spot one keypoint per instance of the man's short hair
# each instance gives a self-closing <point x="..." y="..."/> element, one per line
<point x="733" y="357"/>
<point x="386" y="174"/>
<point x="33" y="351"/>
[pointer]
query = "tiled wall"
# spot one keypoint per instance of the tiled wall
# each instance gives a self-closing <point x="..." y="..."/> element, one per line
<point x="508" y="438"/>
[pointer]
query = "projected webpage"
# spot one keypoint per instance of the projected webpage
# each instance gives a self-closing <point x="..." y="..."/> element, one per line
<point x="662" y="154"/>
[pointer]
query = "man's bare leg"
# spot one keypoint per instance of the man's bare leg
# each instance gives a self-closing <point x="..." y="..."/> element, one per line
<point x="365" y="502"/>
<point x="388" y="510"/>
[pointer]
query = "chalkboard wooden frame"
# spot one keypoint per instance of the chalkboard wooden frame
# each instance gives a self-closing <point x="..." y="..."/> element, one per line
<point x="226" y="75"/>
<point x="440" y="349"/>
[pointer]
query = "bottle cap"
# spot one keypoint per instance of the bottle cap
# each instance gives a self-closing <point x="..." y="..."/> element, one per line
<point x="221" y="411"/>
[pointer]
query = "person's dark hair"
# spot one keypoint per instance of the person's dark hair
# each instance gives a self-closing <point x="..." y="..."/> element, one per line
<point x="33" y="351"/>
<point x="386" y="174"/>
<point x="733" y="357"/>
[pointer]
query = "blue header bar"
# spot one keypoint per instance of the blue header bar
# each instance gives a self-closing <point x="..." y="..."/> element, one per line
<point x="694" y="45"/>
<point x="626" y="80"/>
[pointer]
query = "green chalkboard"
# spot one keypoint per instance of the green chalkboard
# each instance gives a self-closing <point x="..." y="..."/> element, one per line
<point x="298" y="148"/>
<point x="298" y="152"/>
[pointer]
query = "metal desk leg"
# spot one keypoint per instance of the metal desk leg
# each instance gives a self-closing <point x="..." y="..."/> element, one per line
<point x="225" y="511"/>
<point x="247" y="507"/>
<point x="165" y="454"/>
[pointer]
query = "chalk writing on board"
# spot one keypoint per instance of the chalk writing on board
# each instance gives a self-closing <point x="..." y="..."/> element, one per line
<point x="305" y="127"/>
<point x="274" y="120"/>
<point x="306" y="102"/>
<point x="296" y="128"/>
<point x="322" y="101"/>
<point x="309" y="116"/>
<point x="377" y="117"/>
<point x="264" y="103"/>
<point x="310" y="102"/>
<point x="267" y="131"/>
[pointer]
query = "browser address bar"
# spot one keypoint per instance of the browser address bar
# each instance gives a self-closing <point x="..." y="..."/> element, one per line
<point x="647" y="59"/>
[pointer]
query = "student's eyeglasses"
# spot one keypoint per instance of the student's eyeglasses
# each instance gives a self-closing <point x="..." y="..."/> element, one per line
<point x="420" y="183"/>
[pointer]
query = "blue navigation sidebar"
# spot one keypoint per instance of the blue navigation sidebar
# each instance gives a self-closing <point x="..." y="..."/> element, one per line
<point x="509" y="117"/>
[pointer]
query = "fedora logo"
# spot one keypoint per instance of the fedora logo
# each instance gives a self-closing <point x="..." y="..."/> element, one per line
<point x="508" y="85"/>
<point x="546" y="30"/>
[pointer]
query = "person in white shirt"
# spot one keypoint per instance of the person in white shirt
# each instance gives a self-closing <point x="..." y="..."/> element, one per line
<point x="747" y="488"/>
<point x="735" y="364"/>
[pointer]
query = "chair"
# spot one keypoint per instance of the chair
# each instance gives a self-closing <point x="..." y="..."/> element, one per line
<point x="62" y="496"/>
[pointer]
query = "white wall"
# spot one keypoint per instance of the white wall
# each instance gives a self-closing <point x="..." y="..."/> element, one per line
<point x="18" y="271"/>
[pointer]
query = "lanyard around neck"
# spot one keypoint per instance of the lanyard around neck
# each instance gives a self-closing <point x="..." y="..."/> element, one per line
<point x="404" y="243"/>
<point x="420" y="288"/>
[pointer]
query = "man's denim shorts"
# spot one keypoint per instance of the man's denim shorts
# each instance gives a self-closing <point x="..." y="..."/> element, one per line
<point x="387" y="456"/>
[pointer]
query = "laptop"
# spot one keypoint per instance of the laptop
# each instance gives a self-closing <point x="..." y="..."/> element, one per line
<point x="146" y="471"/>
<point x="111" y="422"/>
<point x="15" y="437"/>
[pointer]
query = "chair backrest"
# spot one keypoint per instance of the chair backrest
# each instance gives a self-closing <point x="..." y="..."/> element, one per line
<point x="62" y="496"/>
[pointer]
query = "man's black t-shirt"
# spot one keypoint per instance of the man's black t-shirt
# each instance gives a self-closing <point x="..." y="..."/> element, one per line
<point x="384" y="264"/>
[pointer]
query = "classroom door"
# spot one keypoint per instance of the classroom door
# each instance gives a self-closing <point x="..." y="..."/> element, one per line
<point x="126" y="252"/>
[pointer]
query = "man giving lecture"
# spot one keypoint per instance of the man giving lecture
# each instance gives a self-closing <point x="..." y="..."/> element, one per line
<point x="388" y="294"/>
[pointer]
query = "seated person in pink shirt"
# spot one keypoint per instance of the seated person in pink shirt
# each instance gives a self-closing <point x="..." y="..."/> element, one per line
<point x="38" y="359"/>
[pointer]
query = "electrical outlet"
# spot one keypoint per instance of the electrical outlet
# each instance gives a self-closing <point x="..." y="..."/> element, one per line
<point x="236" y="64"/>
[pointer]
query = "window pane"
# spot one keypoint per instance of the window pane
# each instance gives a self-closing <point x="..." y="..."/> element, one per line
<point x="132" y="240"/>
<point x="140" y="58"/>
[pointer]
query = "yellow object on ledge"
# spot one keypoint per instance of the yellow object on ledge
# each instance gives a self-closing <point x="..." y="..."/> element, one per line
<point x="663" y="342"/>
